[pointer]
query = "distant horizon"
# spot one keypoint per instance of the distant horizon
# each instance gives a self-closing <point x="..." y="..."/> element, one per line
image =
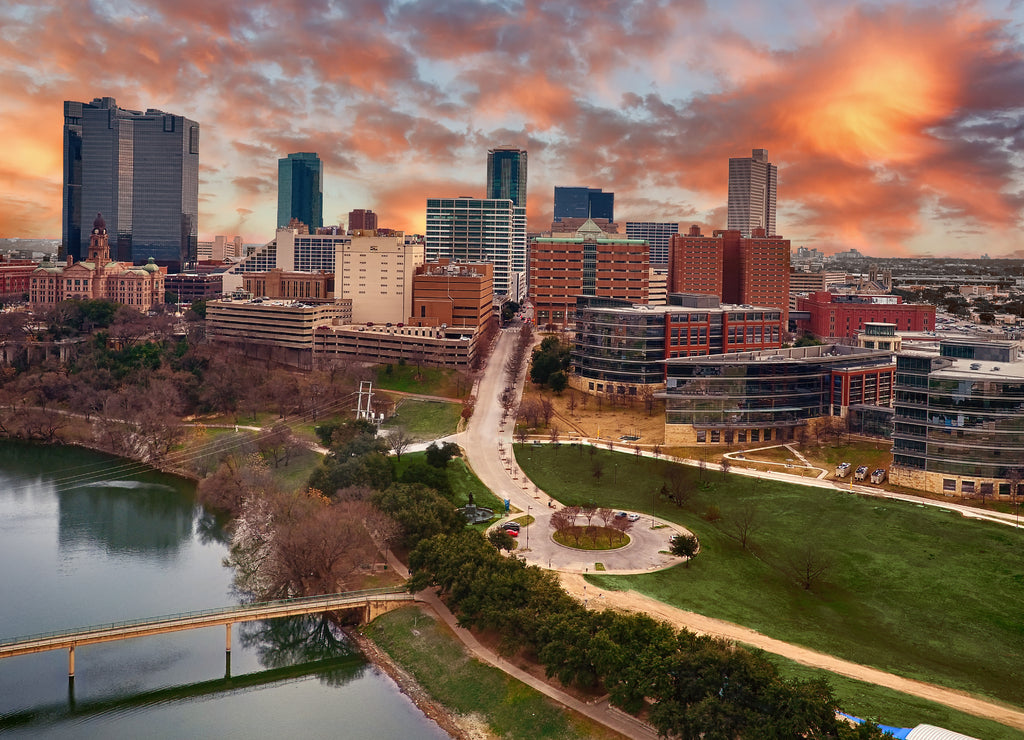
<point x="894" y="124"/>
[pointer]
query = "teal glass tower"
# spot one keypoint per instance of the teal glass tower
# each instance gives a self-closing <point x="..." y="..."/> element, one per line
<point x="300" y="192"/>
<point x="506" y="175"/>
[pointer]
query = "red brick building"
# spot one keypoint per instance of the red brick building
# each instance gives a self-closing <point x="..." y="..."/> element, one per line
<point x="15" y="277"/>
<point x="459" y="294"/>
<point x="695" y="263"/>
<point x="589" y="262"/>
<point x="844" y="315"/>
<point x="740" y="270"/>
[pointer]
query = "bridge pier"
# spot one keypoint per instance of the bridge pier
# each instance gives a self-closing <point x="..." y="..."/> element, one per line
<point x="71" y="662"/>
<point x="227" y="638"/>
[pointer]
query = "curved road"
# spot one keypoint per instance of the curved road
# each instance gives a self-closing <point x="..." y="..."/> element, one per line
<point x="488" y="445"/>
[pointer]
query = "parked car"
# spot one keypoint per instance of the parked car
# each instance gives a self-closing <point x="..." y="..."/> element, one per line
<point x="878" y="475"/>
<point x="513" y="532"/>
<point x="621" y="515"/>
<point x="862" y="473"/>
<point x="634" y="517"/>
<point x="510" y="526"/>
<point x="842" y="470"/>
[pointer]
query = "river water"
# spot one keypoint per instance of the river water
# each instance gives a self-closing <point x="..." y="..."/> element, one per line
<point x="85" y="540"/>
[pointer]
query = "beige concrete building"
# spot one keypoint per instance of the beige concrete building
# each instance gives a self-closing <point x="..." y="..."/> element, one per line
<point x="376" y="274"/>
<point x="276" y="330"/>
<point x="412" y="344"/>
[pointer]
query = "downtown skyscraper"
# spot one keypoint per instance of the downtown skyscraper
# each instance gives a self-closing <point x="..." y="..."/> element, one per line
<point x="300" y="190"/>
<point x="506" y="174"/>
<point x="752" y="188"/>
<point x="141" y="171"/>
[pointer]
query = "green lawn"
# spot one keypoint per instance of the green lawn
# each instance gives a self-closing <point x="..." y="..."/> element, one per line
<point x="912" y="590"/>
<point x="429" y="381"/>
<point x="439" y="662"/>
<point x="463" y="480"/>
<point x="896" y="709"/>
<point x="425" y="420"/>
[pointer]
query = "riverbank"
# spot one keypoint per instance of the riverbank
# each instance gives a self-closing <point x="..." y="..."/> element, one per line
<point x="459" y="727"/>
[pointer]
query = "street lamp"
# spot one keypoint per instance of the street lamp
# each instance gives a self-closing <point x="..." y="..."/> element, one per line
<point x="528" y="508"/>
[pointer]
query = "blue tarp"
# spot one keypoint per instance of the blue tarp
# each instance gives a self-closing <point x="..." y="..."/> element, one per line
<point x="900" y="733"/>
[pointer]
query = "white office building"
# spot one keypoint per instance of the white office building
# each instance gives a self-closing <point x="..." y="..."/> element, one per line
<point x="481" y="230"/>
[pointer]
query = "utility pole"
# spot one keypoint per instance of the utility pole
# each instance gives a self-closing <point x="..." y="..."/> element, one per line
<point x="361" y="412"/>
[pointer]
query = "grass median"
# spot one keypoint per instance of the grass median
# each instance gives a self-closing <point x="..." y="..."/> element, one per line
<point x="909" y="589"/>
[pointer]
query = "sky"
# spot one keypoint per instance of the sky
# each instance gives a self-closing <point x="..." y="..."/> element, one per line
<point x="896" y="126"/>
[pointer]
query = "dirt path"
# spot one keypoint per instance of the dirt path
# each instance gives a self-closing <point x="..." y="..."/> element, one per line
<point x="635" y="602"/>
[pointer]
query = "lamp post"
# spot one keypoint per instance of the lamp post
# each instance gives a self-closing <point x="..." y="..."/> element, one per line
<point x="528" y="508"/>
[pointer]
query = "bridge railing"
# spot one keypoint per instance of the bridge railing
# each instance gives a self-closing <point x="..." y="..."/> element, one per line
<point x="221" y="611"/>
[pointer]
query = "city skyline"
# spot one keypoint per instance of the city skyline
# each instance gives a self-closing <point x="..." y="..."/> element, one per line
<point x="894" y="125"/>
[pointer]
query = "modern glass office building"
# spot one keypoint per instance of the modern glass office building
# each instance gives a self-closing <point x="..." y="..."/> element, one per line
<point x="573" y="202"/>
<point x="300" y="190"/>
<point x="959" y="418"/>
<point x="762" y="396"/>
<point x="141" y="171"/>
<point x="658" y="235"/>
<point x="506" y="174"/>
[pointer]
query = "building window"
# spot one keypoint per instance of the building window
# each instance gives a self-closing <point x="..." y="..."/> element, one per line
<point x="967" y="486"/>
<point x="702" y="436"/>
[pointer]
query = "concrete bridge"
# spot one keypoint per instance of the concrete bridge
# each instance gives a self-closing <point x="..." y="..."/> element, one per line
<point x="372" y="602"/>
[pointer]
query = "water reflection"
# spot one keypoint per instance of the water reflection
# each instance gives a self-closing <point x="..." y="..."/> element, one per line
<point x="125" y="516"/>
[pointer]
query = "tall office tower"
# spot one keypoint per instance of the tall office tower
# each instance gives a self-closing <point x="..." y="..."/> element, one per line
<point x="506" y="174"/>
<point x="489" y="230"/>
<point x="362" y="220"/>
<point x="141" y="171"/>
<point x="695" y="263"/>
<point x="657" y="235"/>
<point x="300" y="190"/>
<point x="752" y="187"/>
<point x="584" y="203"/>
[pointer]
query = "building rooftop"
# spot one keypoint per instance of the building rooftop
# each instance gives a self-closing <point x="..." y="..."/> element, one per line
<point x="818" y="353"/>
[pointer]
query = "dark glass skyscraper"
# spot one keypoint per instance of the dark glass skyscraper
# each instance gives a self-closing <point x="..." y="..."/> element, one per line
<point x="584" y="203"/>
<point x="141" y="171"/>
<point x="506" y="174"/>
<point x="300" y="190"/>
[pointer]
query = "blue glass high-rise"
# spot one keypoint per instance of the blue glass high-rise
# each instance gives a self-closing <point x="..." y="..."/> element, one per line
<point x="300" y="192"/>
<point x="141" y="171"/>
<point x="506" y="174"/>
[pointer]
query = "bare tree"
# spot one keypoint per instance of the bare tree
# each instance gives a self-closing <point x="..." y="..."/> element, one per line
<point x="546" y="409"/>
<point x="606" y="515"/>
<point x="808" y="563"/>
<point x="588" y="510"/>
<point x="647" y="396"/>
<point x="553" y="435"/>
<point x="657" y="450"/>
<point x="725" y="463"/>
<point x="522" y="434"/>
<point x="277" y="445"/>
<point x="597" y="468"/>
<point x="398" y="440"/>
<point x="744" y="523"/>
<point x="571" y="401"/>
<point x="622" y="525"/>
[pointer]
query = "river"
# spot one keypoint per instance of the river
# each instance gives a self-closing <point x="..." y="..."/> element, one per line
<point x="87" y="539"/>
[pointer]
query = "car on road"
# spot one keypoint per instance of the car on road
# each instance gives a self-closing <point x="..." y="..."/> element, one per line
<point x="634" y="517"/>
<point x="621" y="515"/>
<point x="510" y="526"/>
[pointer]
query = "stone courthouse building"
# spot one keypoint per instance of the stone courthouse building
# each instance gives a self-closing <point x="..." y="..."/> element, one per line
<point x="98" y="277"/>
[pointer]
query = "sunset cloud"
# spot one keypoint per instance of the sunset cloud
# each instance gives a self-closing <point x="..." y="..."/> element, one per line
<point x="896" y="126"/>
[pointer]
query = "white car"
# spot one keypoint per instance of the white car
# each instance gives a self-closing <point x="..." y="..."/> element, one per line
<point x="634" y="517"/>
